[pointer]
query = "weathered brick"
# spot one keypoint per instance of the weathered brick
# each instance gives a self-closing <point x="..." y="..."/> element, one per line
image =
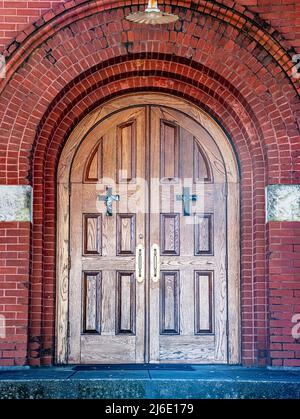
<point x="216" y="67"/>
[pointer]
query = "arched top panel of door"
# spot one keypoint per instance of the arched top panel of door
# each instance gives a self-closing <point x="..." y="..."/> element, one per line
<point x="90" y="162"/>
<point x="88" y="125"/>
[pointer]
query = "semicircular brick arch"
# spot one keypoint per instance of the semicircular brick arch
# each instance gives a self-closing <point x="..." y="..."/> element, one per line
<point x="98" y="40"/>
<point x="83" y="54"/>
<point x="48" y="151"/>
<point x="237" y="17"/>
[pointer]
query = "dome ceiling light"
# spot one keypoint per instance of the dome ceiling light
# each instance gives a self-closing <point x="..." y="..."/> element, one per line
<point x="152" y="15"/>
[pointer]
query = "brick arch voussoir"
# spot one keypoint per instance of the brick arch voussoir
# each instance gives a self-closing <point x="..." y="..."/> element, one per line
<point x="234" y="15"/>
<point x="81" y="58"/>
<point x="221" y="88"/>
<point x="253" y="119"/>
<point x="60" y="84"/>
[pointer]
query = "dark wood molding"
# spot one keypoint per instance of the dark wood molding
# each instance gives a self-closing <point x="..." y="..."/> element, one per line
<point x="170" y="236"/>
<point x="132" y="234"/>
<point x="209" y="250"/>
<point x="164" y="328"/>
<point x="95" y="235"/>
<point x="96" y="310"/>
<point x="198" y="301"/>
<point x="131" y="304"/>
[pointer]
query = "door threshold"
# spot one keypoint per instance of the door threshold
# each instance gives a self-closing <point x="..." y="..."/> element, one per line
<point x="101" y="367"/>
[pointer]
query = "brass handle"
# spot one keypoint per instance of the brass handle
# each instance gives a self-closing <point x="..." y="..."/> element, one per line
<point x="155" y="263"/>
<point x="140" y="263"/>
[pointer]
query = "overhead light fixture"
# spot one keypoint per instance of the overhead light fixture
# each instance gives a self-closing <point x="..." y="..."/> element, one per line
<point x="152" y="15"/>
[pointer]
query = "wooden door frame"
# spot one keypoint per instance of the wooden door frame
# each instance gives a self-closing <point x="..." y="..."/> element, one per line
<point x="63" y="208"/>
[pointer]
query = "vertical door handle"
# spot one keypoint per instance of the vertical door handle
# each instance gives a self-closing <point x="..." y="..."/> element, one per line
<point x="155" y="263"/>
<point x="140" y="263"/>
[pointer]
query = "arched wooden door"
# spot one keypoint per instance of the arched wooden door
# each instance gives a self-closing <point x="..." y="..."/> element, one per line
<point x="148" y="263"/>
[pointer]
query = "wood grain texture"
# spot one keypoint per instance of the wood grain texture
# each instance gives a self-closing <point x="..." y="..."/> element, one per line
<point x="203" y="302"/>
<point x="94" y="166"/>
<point x="201" y="166"/>
<point x="169" y="151"/>
<point x="75" y="273"/>
<point x="109" y="305"/>
<point x="92" y="120"/>
<point x="203" y="234"/>
<point x="126" y="303"/>
<point x="126" y="151"/>
<point x="117" y="349"/>
<point x="169" y="234"/>
<point x="234" y="309"/>
<point x="92" y="234"/>
<point x="209" y="135"/>
<point x="62" y="274"/>
<point x="169" y="302"/>
<point x="197" y="315"/>
<point x="91" y="304"/>
<point x="108" y="308"/>
<point x="126" y="234"/>
<point x="220" y="277"/>
<point x="187" y="350"/>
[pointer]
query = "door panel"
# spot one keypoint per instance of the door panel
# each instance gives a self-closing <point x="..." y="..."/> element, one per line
<point x="191" y="291"/>
<point x="106" y="328"/>
<point x="182" y="289"/>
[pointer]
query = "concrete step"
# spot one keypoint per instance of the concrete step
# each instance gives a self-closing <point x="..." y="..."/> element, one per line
<point x="145" y="382"/>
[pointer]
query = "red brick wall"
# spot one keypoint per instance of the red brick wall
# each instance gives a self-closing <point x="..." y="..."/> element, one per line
<point x="15" y="15"/>
<point x="14" y="284"/>
<point x="57" y="80"/>
<point x="282" y="15"/>
<point x="284" y="286"/>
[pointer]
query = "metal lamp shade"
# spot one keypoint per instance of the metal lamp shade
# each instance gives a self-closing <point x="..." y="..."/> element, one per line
<point x="152" y="15"/>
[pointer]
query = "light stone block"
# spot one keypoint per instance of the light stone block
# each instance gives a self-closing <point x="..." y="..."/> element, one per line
<point x="283" y="202"/>
<point x="15" y="203"/>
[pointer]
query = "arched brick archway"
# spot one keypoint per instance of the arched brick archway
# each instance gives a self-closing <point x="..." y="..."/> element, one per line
<point x="97" y="120"/>
<point x="45" y="217"/>
<point x="236" y="16"/>
<point x="77" y="61"/>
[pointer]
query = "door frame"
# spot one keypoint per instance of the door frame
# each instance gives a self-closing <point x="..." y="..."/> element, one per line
<point x="63" y="207"/>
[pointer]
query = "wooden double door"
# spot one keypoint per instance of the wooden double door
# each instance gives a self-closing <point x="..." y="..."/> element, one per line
<point x="148" y="257"/>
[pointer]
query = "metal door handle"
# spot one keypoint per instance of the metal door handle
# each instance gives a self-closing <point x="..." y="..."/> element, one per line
<point x="140" y="263"/>
<point x="155" y="263"/>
